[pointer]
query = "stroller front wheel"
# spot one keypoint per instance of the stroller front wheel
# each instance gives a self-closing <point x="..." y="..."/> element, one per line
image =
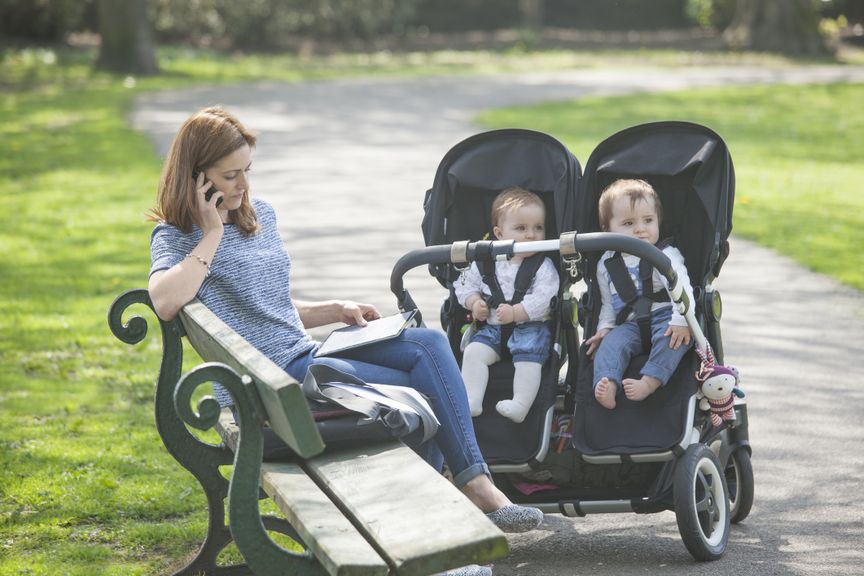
<point x="701" y="503"/>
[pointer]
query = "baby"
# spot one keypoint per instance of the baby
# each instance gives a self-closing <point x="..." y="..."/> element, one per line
<point x="518" y="215"/>
<point x="632" y="207"/>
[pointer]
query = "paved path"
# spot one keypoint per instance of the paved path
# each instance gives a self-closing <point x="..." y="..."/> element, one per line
<point x="346" y="164"/>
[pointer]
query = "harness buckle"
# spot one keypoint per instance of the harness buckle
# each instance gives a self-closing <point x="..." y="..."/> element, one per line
<point x="572" y="265"/>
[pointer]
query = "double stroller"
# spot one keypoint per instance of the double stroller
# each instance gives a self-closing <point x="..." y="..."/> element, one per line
<point x="570" y="455"/>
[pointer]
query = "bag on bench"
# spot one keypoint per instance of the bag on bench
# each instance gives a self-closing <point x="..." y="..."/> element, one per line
<point x="350" y="412"/>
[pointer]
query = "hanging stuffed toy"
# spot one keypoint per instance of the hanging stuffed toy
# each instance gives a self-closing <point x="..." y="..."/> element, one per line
<point x="718" y="387"/>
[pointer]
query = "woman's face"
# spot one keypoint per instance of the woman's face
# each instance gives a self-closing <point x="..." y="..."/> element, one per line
<point x="230" y="175"/>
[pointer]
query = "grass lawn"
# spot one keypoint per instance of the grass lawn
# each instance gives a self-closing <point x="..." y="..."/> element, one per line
<point x="796" y="150"/>
<point x="85" y="484"/>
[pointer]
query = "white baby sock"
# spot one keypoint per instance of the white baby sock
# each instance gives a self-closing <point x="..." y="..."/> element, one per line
<point x="475" y="373"/>
<point x="526" y="382"/>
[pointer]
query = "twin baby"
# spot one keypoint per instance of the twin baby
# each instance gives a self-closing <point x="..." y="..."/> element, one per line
<point x="628" y="207"/>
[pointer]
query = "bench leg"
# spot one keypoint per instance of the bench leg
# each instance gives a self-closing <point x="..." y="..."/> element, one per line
<point x="219" y="536"/>
<point x="263" y="556"/>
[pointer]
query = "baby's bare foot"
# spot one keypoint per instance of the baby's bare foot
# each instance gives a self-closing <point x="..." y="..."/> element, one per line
<point x="638" y="390"/>
<point x="604" y="392"/>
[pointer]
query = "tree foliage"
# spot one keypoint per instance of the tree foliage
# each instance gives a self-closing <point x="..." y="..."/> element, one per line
<point x="276" y="24"/>
<point x="789" y="26"/>
<point x="44" y="20"/>
<point x="785" y="26"/>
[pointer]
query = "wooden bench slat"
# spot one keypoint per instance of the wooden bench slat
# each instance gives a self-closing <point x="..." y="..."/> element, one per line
<point x="289" y="414"/>
<point x="403" y="524"/>
<point x="414" y="517"/>
<point x="331" y="537"/>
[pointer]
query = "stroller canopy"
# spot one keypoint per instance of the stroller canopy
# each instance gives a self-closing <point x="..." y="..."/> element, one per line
<point x="690" y="168"/>
<point x="473" y="172"/>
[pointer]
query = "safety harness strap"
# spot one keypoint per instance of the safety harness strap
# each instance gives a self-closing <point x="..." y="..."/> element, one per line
<point x="527" y="270"/>
<point x="638" y="304"/>
<point x="487" y="272"/>
<point x="524" y="277"/>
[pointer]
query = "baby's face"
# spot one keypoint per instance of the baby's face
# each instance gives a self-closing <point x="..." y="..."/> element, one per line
<point x="522" y="224"/>
<point x="640" y="221"/>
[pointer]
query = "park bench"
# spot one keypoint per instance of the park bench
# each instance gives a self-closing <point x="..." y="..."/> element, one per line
<point x="376" y="509"/>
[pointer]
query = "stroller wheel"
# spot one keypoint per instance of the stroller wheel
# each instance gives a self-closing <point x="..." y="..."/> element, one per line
<point x="701" y="503"/>
<point x="739" y="482"/>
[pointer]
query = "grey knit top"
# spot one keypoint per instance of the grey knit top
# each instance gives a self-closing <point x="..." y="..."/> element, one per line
<point x="248" y="287"/>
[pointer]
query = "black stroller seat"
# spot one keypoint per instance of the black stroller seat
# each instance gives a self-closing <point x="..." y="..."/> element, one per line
<point x="654" y="425"/>
<point x="691" y="171"/>
<point x="457" y="208"/>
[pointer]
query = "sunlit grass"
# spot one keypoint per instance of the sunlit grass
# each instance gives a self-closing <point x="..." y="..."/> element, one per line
<point x="85" y="484"/>
<point x="82" y="471"/>
<point x="796" y="150"/>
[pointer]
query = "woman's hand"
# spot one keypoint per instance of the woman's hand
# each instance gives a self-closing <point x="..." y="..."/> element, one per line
<point x="207" y="212"/>
<point x="678" y="335"/>
<point x="594" y="341"/>
<point x="357" y="313"/>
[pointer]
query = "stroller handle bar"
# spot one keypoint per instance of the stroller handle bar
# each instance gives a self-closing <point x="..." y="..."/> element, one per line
<point x="569" y="244"/>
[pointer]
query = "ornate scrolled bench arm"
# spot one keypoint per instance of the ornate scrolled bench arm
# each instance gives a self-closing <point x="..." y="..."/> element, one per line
<point x="196" y="456"/>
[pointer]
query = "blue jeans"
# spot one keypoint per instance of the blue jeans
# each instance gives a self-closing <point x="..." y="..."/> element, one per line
<point x="529" y="342"/>
<point x="422" y="359"/>
<point x="624" y="342"/>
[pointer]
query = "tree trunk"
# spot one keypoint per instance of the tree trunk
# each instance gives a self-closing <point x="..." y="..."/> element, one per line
<point x="127" y="41"/>
<point x="786" y="26"/>
<point x="531" y="13"/>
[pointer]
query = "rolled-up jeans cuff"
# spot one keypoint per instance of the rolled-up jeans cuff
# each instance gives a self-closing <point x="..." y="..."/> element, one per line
<point x="657" y="371"/>
<point x="470" y="473"/>
<point x="528" y="357"/>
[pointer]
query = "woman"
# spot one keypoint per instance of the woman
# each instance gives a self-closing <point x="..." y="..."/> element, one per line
<point x="224" y="248"/>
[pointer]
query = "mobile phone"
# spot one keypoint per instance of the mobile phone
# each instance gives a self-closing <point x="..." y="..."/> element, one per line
<point x="210" y="192"/>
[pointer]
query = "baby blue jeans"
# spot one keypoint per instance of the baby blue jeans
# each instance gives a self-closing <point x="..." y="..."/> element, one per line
<point x="529" y="342"/>
<point x="624" y="342"/>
